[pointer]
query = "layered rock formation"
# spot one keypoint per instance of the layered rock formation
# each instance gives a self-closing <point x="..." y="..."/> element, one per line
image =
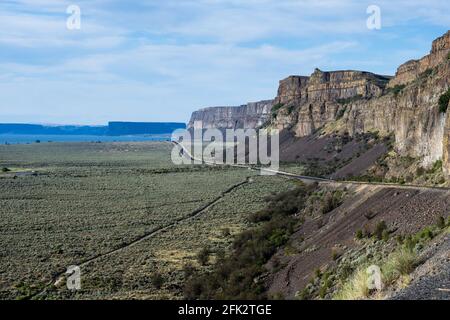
<point x="410" y="70"/>
<point x="446" y="144"/>
<point x="406" y="106"/>
<point x="311" y="102"/>
<point x="251" y="115"/>
<point x="356" y="102"/>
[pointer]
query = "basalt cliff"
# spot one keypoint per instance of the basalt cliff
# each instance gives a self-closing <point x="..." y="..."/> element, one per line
<point x="251" y="115"/>
<point x="411" y="106"/>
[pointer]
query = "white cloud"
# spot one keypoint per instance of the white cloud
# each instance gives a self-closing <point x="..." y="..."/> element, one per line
<point x="159" y="60"/>
<point x="185" y="77"/>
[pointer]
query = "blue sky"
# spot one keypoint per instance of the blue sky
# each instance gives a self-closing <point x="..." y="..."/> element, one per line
<point x="159" y="60"/>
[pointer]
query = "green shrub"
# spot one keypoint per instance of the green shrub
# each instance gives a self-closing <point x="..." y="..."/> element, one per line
<point x="440" y="223"/>
<point x="400" y="239"/>
<point x="396" y="89"/>
<point x="335" y="254"/>
<point x="278" y="237"/>
<point x="236" y="275"/>
<point x="359" y="234"/>
<point x="263" y="215"/>
<point x="443" y="101"/>
<point x="290" y="109"/>
<point x="380" y="228"/>
<point x="327" y="283"/>
<point x="426" y="234"/>
<point x="332" y="200"/>
<point x="275" y="109"/>
<point x="400" y="262"/>
<point x="385" y="235"/>
<point x="420" y="171"/>
<point x="318" y="273"/>
<point x="437" y="167"/>
<point x="5" y="169"/>
<point x="356" y="288"/>
<point x="157" y="280"/>
<point x="303" y="295"/>
<point x="203" y="256"/>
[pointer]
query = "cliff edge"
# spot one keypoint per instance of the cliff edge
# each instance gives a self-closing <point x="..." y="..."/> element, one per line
<point x="411" y="106"/>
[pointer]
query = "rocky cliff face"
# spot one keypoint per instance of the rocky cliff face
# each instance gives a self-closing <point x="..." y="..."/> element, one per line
<point x="356" y="102"/>
<point x="352" y="102"/>
<point x="410" y="70"/>
<point x="251" y="115"/>
<point x="446" y="144"/>
<point x="312" y="102"/>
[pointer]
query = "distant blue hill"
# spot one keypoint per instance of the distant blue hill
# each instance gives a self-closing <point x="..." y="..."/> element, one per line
<point x="117" y="128"/>
<point x="113" y="129"/>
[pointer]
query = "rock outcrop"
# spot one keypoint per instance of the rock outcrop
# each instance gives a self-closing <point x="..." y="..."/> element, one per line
<point x="354" y="102"/>
<point x="446" y="145"/>
<point x="251" y="115"/>
<point x="406" y="105"/>
<point x="311" y="102"/>
<point x="410" y="70"/>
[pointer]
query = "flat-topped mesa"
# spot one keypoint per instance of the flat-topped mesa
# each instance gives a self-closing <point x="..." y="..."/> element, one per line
<point x="336" y="85"/>
<point x="293" y="91"/>
<point x="410" y="70"/>
<point x="248" y="116"/>
<point x="315" y="99"/>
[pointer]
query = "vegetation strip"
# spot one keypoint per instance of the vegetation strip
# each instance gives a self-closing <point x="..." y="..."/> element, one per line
<point x="241" y="274"/>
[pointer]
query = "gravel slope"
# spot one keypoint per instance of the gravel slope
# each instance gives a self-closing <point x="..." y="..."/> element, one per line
<point x="431" y="280"/>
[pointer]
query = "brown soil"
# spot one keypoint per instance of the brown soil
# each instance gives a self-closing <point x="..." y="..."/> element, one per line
<point x="361" y="163"/>
<point x="405" y="211"/>
<point x="353" y="156"/>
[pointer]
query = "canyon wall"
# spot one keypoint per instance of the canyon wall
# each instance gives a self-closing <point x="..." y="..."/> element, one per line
<point x="314" y="101"/>
<point x="251" y="115"/>
<point x="446" y="144"/>
<point x="406" y="105"/>
<point x="410" y="70"/>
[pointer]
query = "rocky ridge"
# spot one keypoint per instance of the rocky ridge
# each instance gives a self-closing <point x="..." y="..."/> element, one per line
<point x="250" y="115"/>
<point x="353" y="102"/>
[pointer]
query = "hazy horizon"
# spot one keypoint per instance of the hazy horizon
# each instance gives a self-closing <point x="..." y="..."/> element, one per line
<point x="88" y="124"/>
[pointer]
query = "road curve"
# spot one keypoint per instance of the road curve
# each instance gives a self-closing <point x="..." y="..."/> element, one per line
<point x="313" y="179"/>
